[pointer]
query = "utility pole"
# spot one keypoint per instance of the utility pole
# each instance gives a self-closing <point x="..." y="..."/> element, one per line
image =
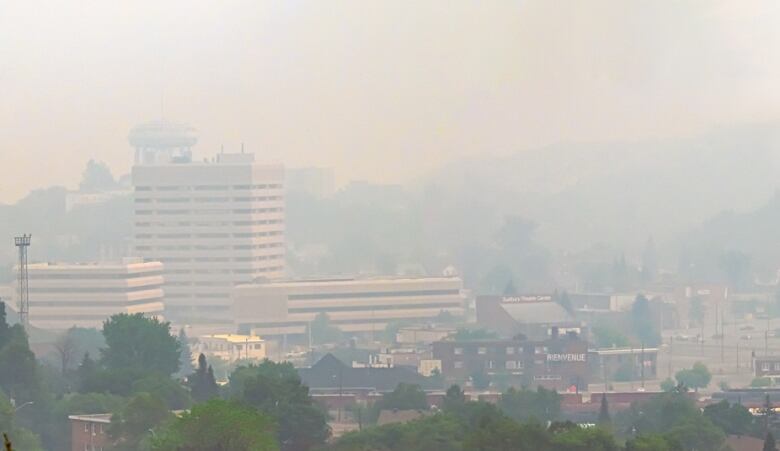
<point x="23" y="242"/>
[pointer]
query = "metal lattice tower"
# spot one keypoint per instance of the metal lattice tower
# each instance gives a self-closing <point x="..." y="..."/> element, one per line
<point x="23" y="242"/>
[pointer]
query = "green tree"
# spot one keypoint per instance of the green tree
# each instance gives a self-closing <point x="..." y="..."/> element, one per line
<point x="322" y="331"/>
<point x="130" y="426"/>
<point x="524" y="404"/>
<point x="137" y="342"/>
<point x="675" y="416"/>
<point x="769" y="442"/>
<point x="607" y="337"/>
<point x="405" y="397"/>
<point x="276" y="389"/>
<point x="584" y="439"/>
<point x="641" y="319"/>
<point x="185" y="360"/>
<point x="97" y="177"/>
<point x="217" y="425"/>
<point x="733" y="419"/>
<point x="454" y="399"/>
<point x="668" y="384"/>
<point x="604" y="418"/>
<point x="480" y="380"/>
<point x="202" y="383"/>
<point x="168" y="390"/>
<point x="697" y="377"/>
<point x="651" y="442"/>
<point x="18" y="367"/>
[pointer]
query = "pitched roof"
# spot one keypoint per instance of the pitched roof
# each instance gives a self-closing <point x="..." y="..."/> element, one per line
<point x="537" y="312"/>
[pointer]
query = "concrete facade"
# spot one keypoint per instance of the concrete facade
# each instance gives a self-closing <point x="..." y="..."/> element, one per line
<point x="63" y="295"/>
<point x="214" y="225"/>
<point x="353" y="305"/>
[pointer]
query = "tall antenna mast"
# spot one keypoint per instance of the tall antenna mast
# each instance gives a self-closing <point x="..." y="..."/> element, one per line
<point x="23" y="242"/>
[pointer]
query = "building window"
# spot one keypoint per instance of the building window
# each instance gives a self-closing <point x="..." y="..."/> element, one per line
<point x="777" y="366"/>
<point x="458" y="351"/>
<point x="765" y="366"/>
<point x="86" y="427"/>
<point x="458" y="364"/>
<point x="481" y="350"/>
<point x="491" y="364"/>
<point x="510" y="350"/>
<point x="258" y="346"/>
<point x="511" y="365"/>
<point x="540" y="350"/>
<point x="520" y="365"/>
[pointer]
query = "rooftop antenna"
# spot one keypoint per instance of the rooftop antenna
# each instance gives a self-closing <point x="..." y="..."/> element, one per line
<point x="23" y="242"/>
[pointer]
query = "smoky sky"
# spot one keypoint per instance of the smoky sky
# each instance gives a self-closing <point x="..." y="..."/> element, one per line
<point x="379" y="90"/>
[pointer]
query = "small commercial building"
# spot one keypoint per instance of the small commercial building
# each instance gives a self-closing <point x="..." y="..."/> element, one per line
<point x="533" y="316"/>
<point x="90" y="432"/>
<point x="559" y="362"/>
<point x="63" y="295"/>
<point x="356" y="305"/>
<point x="232" y="347"/>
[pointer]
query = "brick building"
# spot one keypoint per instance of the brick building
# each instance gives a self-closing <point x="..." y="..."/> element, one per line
<point x="560" y="362"/>
<point x="90" y="432"/>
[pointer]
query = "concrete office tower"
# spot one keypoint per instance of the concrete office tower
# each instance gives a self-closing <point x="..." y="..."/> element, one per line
<point x="214" y="224"/>
<point x="286" y="307"/>
<point x="63" y="295"/>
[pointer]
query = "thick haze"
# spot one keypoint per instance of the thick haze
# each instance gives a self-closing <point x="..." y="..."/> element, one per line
<point x="385" y="91"/>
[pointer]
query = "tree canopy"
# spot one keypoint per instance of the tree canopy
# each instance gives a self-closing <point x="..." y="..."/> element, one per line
<point x="217" y="425"/>
<point x="137" y="342"/>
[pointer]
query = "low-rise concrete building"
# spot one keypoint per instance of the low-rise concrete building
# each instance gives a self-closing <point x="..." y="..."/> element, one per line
<point x="276" y="308"/>
<point x="63" y="295"/>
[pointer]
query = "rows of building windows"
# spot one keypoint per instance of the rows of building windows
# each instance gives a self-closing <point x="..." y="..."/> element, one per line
<point x="172" y="236"/>
<point x="208" y="187"/>
<point x="509" y="350"/>
<point x="373" y="294"/>
<point x="178" y="272"/>
<point x="208" y="223"/>
<point x="207" y="211"/>
<point x="257" y="258"/>
<point x="371" y="308"/>
<point x="90" y="276"/>
<point x="77" y="303"/>
<point x="34" y="289"/>
<point x="181" y="200"/>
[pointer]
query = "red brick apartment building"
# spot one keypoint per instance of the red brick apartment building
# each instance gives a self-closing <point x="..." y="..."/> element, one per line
<point x="90" y="432"/>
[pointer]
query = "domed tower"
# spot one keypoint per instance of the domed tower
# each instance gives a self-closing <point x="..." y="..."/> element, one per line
<point x="161" y="142"/>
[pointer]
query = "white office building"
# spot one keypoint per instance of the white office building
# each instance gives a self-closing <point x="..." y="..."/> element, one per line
<point x="63" y="295"/>
<point x="353" y="305"/>
<point x="214" y="224"/>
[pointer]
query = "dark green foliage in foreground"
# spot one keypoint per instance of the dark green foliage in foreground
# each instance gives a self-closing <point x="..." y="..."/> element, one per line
<point x="477" y="427"/>
<point x="524" y="404"/>
<point x="276" y="390"/>
<point x="134" y="341"/>
<point x="217" y="425"/>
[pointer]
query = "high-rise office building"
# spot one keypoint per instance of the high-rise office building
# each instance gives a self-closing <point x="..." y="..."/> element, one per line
<point x="214" y="224"/>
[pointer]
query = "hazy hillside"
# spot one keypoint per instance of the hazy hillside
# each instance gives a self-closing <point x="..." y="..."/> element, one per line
<point x="619" y="193"/>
